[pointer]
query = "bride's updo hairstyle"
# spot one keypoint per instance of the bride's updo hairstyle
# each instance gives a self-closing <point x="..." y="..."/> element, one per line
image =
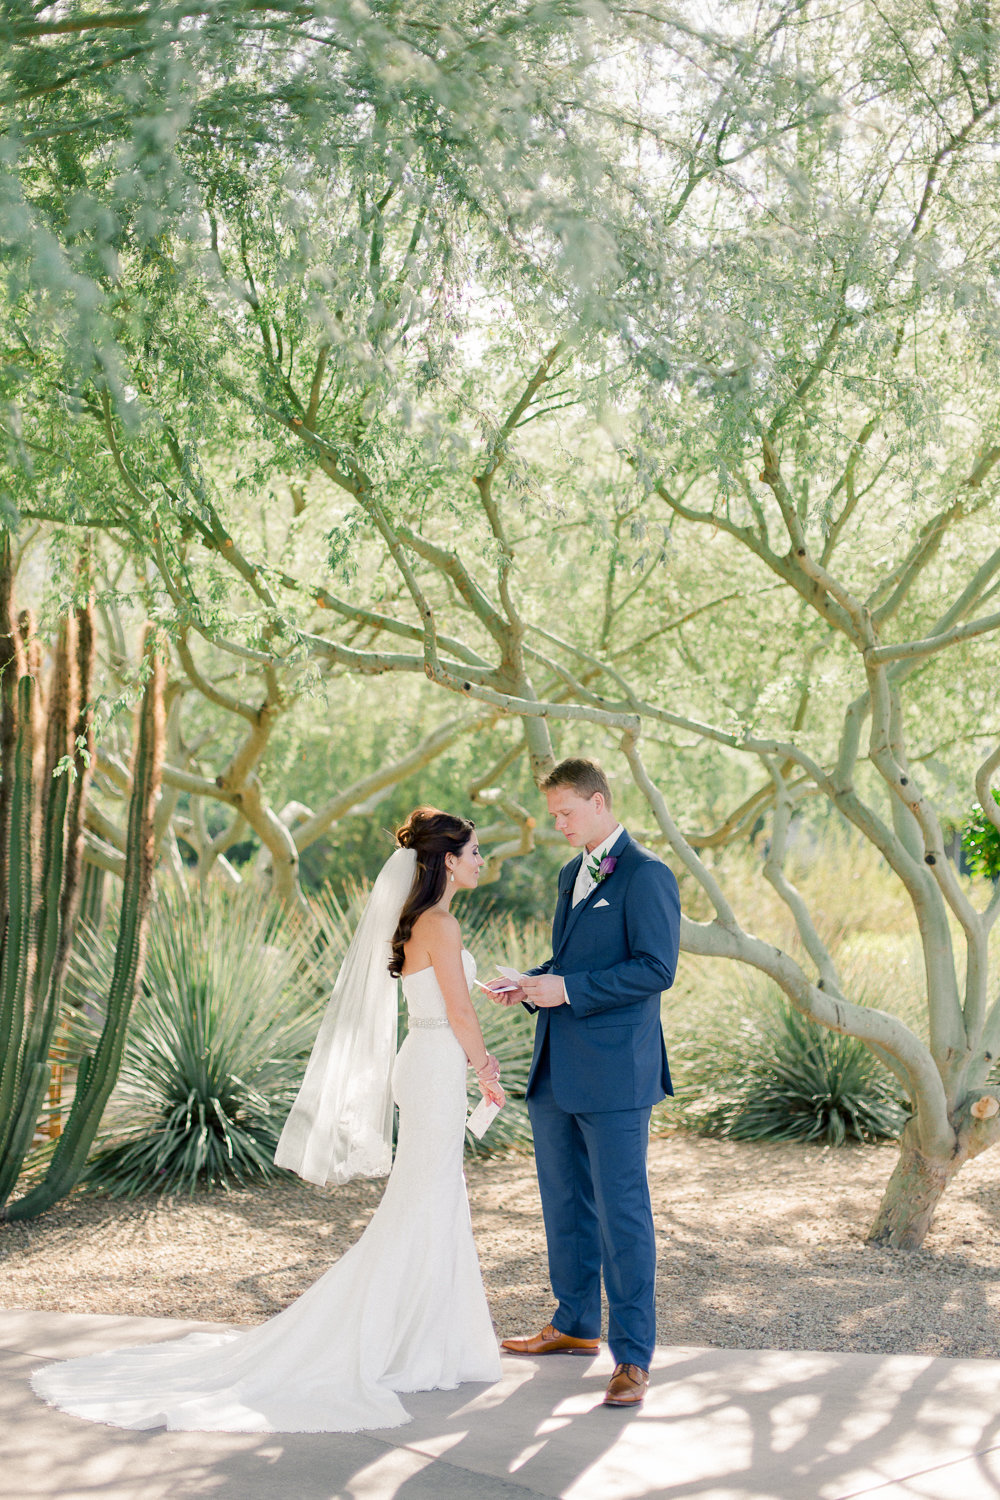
<point x="432" y="834"/>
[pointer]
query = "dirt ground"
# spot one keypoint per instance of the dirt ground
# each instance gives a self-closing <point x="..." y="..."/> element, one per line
<point x="760" y="1246"/>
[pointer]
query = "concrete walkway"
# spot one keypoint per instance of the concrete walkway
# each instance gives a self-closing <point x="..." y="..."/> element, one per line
<point x="717" y="1425"/>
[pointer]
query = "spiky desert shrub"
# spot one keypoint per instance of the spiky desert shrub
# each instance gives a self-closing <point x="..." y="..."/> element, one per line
<point x="227" y="1012"/>
<point x="769" y="1073"/>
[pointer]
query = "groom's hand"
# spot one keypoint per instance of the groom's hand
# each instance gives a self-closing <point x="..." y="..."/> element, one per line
<point x="545" y="990"/>
<point x="505" y="995"/>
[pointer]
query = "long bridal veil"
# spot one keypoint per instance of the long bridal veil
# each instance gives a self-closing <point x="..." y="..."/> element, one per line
<point x="340" y="1125"/>
<point x="404" y="1308"/>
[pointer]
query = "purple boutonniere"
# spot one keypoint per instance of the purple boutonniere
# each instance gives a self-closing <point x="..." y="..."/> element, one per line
<point x="599" y="872"/>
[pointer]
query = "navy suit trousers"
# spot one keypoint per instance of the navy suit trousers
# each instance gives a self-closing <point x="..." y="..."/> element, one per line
<point x="598" y="1218"/>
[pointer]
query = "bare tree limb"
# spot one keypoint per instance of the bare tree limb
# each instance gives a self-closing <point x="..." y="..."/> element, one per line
<point x="932" y="644"/>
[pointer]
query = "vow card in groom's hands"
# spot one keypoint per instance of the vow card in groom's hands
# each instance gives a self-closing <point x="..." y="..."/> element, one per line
<point x="513" y="982"/>
<point x="482" y="1118"/>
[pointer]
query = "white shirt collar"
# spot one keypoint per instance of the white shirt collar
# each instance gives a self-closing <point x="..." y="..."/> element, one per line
<point x="602" y="849"/>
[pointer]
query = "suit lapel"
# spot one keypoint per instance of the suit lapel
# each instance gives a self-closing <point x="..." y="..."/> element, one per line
<point x="572" y="913"/>
<point x="572" y="917"/>
<point x="563" y="903"/>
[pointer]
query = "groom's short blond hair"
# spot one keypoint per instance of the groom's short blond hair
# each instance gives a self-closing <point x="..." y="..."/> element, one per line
<point x="585" y="777"/>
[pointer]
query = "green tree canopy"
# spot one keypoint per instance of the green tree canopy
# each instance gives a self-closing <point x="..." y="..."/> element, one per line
<point x="633" y="383"/>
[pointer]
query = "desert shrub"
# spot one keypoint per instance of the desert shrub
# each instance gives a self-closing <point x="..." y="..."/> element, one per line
<point x="723" y="1020"/>
<point x="752" y="1068"/>
<point x="227" y="1013"/>
<point x="797" y="1081"/>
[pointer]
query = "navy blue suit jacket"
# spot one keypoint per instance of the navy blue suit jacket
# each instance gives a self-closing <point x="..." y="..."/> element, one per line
<point x="617" y="953"/>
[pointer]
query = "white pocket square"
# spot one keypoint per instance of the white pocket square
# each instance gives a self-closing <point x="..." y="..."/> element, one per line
<point x="602" y="902"/>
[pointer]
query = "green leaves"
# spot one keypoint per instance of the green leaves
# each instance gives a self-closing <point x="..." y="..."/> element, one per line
<point x="218" y="1038"/>
<point x="782" y="1077"/>
<point x="981" y="842"/>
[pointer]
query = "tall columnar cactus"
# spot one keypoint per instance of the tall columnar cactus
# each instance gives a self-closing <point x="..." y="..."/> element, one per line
<point x="52" y="838"/>
<point x="55" y="802"/>
<point x="45" y="756"/>
<point x="42" y="851"/>
<point x="17" y="968"/>
<point x="82" y="734"/>
<point x="12" y="667"/>
<point x="99" y="1071"/>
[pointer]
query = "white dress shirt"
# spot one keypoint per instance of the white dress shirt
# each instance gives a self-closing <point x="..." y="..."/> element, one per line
<point x="585" y="882"/>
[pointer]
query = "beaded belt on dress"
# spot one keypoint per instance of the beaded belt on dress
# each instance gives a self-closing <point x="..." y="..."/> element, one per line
<point x="428" y="1021"/>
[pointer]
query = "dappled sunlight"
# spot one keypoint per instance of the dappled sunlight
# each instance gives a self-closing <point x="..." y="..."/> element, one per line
<point x="761" y="1255"/>
<point x="754" y="1424"/>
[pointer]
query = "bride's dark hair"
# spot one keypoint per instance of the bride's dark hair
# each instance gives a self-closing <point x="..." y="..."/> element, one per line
<point x="432" y="834"/>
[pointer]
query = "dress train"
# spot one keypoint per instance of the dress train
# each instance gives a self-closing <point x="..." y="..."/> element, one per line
<point x="403" y="1310"/>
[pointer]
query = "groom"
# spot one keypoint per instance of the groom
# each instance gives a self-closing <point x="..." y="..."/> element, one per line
<point x="599" y="1065"/>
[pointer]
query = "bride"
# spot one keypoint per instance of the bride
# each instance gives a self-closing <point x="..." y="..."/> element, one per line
<point x="404" y="1309"/>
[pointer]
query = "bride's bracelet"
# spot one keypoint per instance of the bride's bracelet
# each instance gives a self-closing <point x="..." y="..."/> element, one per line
<point x="491" y="1068"/>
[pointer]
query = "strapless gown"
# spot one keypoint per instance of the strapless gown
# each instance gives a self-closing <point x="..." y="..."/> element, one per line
<point x="403" y="1310"/>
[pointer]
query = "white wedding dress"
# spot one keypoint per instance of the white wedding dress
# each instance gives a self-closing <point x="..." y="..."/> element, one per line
<point x="403" y="1310"/>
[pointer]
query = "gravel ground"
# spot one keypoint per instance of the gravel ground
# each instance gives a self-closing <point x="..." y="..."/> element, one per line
<point x="760" y="1246"/>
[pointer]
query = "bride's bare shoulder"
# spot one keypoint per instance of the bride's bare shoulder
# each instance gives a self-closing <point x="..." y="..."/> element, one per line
<point x="438" y="931"/>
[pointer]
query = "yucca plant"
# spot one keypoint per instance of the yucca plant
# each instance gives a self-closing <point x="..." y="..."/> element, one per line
<point x="781" y="1077"/>
<point x="227" y="1013"/>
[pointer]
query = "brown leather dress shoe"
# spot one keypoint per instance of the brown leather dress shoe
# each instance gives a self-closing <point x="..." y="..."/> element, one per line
<point x="627" y="1386"/>
<point x="551" y="1341"/>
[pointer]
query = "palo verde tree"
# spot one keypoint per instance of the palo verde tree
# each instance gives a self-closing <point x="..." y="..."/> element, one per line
<point x="221" y="725"/>
<point x="365" y="161"/>
<point x="681" y="439"/>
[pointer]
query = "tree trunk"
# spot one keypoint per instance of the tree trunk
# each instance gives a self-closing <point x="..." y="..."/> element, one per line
<point x="911" y="1196"/>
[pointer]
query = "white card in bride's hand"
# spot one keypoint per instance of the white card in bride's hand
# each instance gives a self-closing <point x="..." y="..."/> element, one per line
<point x="482" y="1118"/>
<point x="512" y="975"/>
